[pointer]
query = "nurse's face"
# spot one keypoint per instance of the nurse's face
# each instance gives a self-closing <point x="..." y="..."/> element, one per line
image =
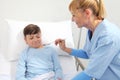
<point x="79" y="18"/>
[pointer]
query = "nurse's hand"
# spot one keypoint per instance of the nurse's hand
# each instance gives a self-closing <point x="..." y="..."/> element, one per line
<point x="61" y="43"/>
<point x="82" y="76"/>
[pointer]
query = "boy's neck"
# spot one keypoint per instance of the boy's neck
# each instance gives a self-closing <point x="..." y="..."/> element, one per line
<point x="41" y="46"/>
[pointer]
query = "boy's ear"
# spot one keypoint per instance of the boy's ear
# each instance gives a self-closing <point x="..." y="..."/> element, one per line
<point x="25" y="40"/>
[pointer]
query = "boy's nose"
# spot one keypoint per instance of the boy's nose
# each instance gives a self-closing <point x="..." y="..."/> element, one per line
<point x="35" y="39"/>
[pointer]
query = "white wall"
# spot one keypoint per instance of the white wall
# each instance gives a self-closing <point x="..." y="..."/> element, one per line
<point x="35" y="10"/>
<point x="50" y="10"/>
<point x="113" y="12"/>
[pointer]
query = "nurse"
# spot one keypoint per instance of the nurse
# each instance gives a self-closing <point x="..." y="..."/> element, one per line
<point x="102" y="46"/>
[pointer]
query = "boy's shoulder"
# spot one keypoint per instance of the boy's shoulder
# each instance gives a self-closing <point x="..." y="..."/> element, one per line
<point x="25" y="50"/>
<point x="51" y="48"/>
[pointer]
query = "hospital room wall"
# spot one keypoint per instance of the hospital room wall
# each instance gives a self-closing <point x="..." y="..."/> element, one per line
<point x="35" y="10"/>
<point x="51" y="10"/>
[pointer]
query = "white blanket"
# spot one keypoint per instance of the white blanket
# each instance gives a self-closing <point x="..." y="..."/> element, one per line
<point x="46" y="76"/>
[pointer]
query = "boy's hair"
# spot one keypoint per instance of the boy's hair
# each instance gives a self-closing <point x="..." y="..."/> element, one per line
<point x="31" y="29"/>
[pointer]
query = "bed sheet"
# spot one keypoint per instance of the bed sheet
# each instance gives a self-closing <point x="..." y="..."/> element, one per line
<point x="5" y="77"/>
<point x="68" y="66"/>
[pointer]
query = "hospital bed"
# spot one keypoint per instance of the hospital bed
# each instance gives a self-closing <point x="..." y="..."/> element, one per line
<point x="12" y="43"/>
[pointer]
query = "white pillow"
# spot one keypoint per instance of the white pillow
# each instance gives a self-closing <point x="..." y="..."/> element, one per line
<point x="50" y="32"/>
<point x="3" y="36"/>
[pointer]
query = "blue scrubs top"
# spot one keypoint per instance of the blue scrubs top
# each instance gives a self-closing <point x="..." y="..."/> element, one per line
<point x="103" y="52"/>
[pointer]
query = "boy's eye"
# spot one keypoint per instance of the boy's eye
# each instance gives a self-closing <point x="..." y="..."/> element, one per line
<point x="31" y="38"/>
<point x="38" y="36"/>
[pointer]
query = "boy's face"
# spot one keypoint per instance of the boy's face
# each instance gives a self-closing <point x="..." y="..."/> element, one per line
<point x="33" y="40"/>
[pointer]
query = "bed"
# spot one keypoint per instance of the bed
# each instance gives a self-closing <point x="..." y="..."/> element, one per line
<point x="12" y="43"/>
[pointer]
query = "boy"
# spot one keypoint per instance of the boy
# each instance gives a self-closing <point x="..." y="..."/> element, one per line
<point x="37" y="62"/>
